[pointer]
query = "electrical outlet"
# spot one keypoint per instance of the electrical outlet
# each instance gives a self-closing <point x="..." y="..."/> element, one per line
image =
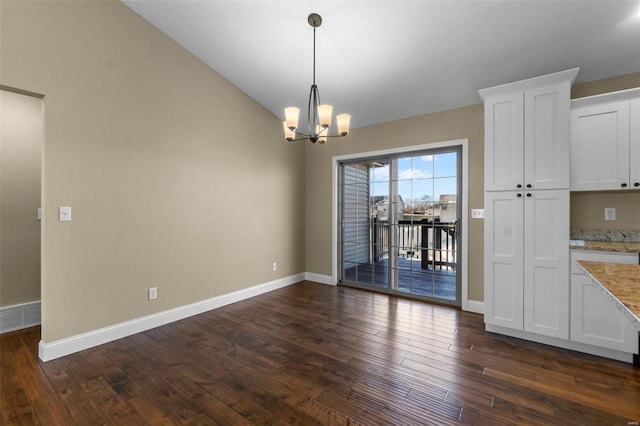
<point x="274" y="266"/>
<point x="610" y="213"/>
<point x="477" y="213"/>
<point x="153" y="293"/>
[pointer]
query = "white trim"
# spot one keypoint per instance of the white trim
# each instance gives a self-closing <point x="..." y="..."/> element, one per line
<point x="464" y="265"/>
<point x="531" y="83"/>
<point x="475" y="306"/>
<point x="464" y="143"/>
<point x="69" y="345"/>
<point x="17" y="317"/>
<point x="562" y="343"/>
<point x="622" y="95"/>
<point x="319" y="278"/>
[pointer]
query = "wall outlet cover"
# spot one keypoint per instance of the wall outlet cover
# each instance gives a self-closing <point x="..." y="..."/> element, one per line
<point x="609" y="213"/>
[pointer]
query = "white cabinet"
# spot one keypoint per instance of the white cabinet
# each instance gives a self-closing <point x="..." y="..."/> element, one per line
<point x="595" y="318"/>
<point x="504" y="142"/>
<point x="527" y="261"/>
<point x="504" y="259"/>
<point x="527" y="204"/>
<point x="605" y="141"/>
<point x="526" y="137"/>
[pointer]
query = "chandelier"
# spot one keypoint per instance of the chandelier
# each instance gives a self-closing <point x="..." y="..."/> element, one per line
<point x="318" y="115"/>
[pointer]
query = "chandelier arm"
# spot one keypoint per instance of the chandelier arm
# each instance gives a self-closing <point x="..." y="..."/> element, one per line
<point x="306" y="137"/>
<point x="302" y="133"/>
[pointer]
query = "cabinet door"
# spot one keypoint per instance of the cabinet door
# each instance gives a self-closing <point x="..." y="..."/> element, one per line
<point x="504" y="135"/>
<point x="503" y="259"/>
<point x="600" y="146"/>
<point x="546" y="137"/>
<point x="634" y="143"/>
<point x="546" y="263"/>
<point x="596" y="320"/>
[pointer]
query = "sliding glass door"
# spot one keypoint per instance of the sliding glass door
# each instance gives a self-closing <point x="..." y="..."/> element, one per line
<point x="399" y="224"/>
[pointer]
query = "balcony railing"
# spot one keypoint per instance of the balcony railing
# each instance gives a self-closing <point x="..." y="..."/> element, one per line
<point x="431" y="242"/>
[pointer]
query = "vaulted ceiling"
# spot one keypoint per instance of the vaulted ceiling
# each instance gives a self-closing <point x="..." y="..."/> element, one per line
<point x="386" y="60"/>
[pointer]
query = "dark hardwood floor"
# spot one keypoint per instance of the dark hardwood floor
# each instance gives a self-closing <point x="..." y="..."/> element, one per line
<point x="316" y="354"/>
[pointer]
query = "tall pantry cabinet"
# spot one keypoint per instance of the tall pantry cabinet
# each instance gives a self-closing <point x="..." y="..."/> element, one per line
<point x="526" y="269"/>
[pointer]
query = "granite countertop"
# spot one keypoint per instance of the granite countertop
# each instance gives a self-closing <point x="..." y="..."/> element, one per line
<point x="621" y="246"/>
<point x="619" y="281"/>
<point x="605" y="240"/>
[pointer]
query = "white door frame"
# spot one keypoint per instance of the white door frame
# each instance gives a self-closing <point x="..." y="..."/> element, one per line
<point x="464" y="143"/>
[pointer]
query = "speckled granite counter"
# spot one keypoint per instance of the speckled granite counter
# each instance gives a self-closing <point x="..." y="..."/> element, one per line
<point x="619" y="281"/>
<point x="627" y="247"/>
<point x="621" y="235"/>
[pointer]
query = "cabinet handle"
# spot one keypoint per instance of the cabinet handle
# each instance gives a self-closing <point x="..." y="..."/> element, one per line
<point x="528" y="185"/>
<point x="624" y="185"/>
<point x="528" y="194"/>
<point x="519" y="195"/>
<point x="518" y="186"/>
<point x="636" y="184"/>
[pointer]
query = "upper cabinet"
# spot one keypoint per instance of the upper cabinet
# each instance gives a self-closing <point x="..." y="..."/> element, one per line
<point x="605" y="141"/>
<point x="527" y="133"/>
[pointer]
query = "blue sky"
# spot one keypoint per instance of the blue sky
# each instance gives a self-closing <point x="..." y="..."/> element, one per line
<point x="419" y="176"/>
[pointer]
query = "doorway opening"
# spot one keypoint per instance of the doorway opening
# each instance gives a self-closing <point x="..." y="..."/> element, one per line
<point x="21" y="145"/>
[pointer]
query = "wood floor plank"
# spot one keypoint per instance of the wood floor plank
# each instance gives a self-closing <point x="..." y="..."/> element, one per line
<point x="316" y="354"/>
<point x="50" y="410"/>
<point x="86" y="412"/>
<point x="630" y="409"/>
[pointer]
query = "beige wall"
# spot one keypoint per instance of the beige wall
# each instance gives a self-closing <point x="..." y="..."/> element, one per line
<point x="176" y="178"/>
<point x="20" y="152"/>
<point x="587" y="210"/>
<point x="614" y="84"/>
<point x="459" y="123"/>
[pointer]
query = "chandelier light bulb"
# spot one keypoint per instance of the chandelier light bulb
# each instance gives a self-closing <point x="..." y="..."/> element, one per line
<point x="291" y="116"/>
<point x="343" y="124"/>
<point x="324" y="115"/>
<point x="288" y="133"/>
<point x="321" y="133"/>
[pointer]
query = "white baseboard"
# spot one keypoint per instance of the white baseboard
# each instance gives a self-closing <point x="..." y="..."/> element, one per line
<point x="17" y="317"/>
<point x="69" y="345"/>
<point x="319" y="278"/>
<point x="475" y="306"/>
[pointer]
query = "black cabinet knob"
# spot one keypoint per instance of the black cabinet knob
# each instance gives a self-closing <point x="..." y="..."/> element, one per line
<point x="518" y="186"/>
<point x="624" y="185"/>
<point x="528" y="194"/>
<point x="528" y="185"/>
<point x="636" y="184"/>
<point x="519" y="195"/>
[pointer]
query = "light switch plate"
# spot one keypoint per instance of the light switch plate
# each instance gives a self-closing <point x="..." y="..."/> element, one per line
<point x="64" y="214"/>
<point x="477" y="213"/>
<point x="39" y="214"/>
